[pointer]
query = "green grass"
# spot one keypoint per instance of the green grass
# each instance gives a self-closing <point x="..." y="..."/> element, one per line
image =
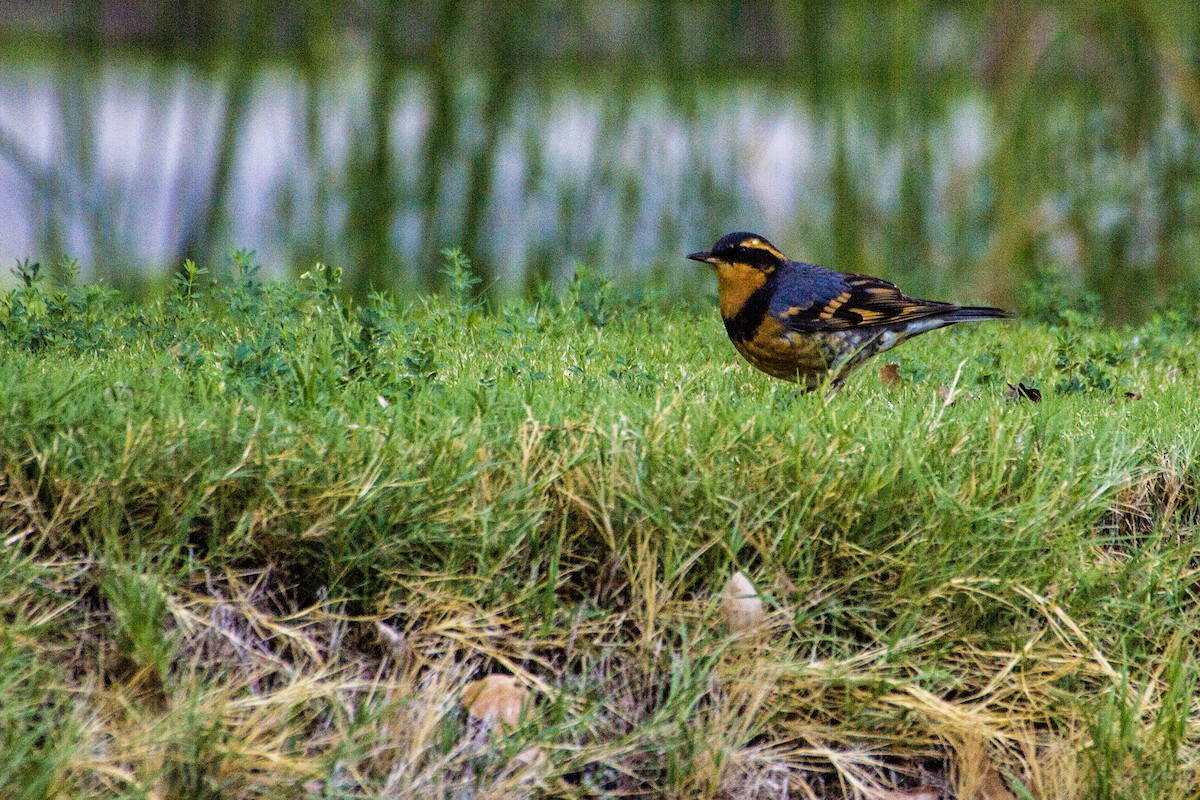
<point x="210" y="502"/>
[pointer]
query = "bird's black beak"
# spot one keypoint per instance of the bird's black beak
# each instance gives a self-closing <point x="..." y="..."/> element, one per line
<point x="703" y="255"/>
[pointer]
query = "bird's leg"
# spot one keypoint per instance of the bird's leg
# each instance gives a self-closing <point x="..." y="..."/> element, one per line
<point x="849" y="362"/>
<point x="834" y="385"/>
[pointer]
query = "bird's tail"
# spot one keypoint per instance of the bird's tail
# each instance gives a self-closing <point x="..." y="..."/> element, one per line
<point x="966" y="313"/>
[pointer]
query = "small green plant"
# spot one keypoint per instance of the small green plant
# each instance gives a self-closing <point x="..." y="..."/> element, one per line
<point x="187" y="282"/>
<point x="1053" y="298"/>
<point x="375" y="340"/>
<point x="44" y="310"/>
<point x="255" y="363"/>
<point x="247" y="290"/>
<point x="460" y="279"/>
<point x="324" y="281"/>
<point x="1086" y="358"/>
<point x="594" y="297"/>
<point x="421" y="362"/>
<point x="141" y="623"/>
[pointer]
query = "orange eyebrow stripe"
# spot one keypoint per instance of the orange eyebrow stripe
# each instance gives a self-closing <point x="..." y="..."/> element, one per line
<point x="759" y="244"/>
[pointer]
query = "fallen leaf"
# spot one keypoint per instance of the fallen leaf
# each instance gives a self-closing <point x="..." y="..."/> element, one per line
<point x="1133" y="395"/>
<point x="742" y="606"/>
<point x="1023" y="392"/>
<point x="889" y="376"/>
<point x="496" y="698"/>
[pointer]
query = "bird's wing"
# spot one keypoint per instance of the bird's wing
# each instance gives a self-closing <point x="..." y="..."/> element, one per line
<point x="808" y="297"/>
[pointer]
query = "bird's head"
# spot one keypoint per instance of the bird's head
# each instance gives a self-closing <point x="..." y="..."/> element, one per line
<point x="742" y="250"/>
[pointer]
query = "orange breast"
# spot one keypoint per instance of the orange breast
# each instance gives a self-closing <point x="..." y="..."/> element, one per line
<point x="785" y="355"/>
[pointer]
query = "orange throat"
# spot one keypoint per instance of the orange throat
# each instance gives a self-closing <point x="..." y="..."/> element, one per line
<point x="735" y="284"/>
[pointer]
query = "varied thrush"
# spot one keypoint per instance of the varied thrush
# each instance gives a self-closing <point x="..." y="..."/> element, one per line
<point x="805" y="323"/>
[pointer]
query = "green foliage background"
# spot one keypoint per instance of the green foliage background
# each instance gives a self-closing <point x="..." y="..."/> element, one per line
<point x="1088" y="113"/>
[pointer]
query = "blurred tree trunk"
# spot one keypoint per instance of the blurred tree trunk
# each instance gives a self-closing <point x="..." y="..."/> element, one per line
<point x="372" y="190"/>
<point x="670" y="49"/>
<point x="313" y="58"/>
<point x="441" y="135"/>
<point x="502" y="79"/>
<point x="208" y="207"/>
<point x="77" y="91"/>
<point x="190" y="29"/>
<point x="1175" y="163"/>
<point x="1021" y="33"/>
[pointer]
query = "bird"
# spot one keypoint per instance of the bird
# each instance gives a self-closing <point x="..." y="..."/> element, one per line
<point x="811" y="325"/>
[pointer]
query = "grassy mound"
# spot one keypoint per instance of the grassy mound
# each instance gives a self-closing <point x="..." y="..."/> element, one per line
<point x="258" y="543"/>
